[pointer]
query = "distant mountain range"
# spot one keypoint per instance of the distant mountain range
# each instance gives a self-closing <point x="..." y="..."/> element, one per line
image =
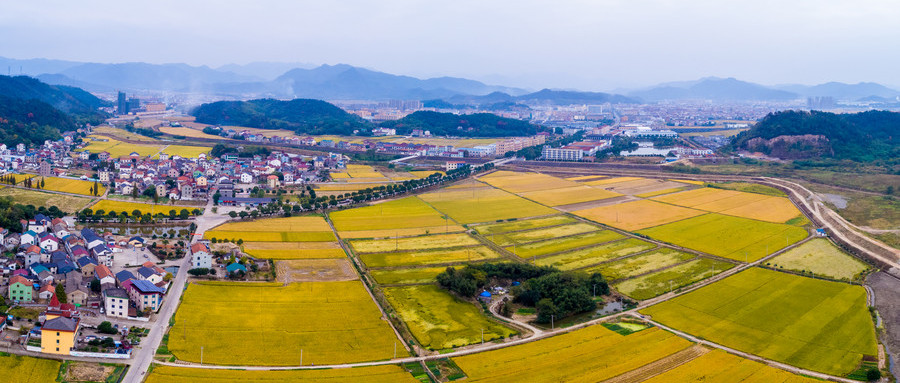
<point x="731" y="89"/>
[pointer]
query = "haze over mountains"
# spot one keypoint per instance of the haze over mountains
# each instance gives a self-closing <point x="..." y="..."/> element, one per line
<point x="346" y="82"/>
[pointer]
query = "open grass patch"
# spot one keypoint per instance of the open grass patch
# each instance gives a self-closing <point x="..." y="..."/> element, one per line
<point x="66" y="203"/>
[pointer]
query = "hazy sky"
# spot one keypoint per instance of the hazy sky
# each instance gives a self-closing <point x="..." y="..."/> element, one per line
<point x="590" y="45"/>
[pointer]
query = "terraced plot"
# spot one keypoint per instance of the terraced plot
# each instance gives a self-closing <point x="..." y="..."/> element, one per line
<point x="424" y="242"/>
<point x="387" y="217"/>
<point x="636" y="215"/>
<point x="809" y="323"/>
<point x="521" y="237"/>
<point x="641" y="264"/>
<point x="592" y="354"/>
<point x="332" y="322"/>
<point x="109" y="205"/>
<point x="483" y="205"/>
<point x="536" y="249"/>
<point x="428" y="257"/>
<point x="593" y="255"/>
<point x="569" y="195"/>
<point x="525" y="224"/>
<point x="406" y="276"/>
<point x="658" y="283"/>
<point x="440" y="321"/>
<point x="374" y="374"/>
<point x="820" y="257"/>
<point x="741" y="239"/>
<point x="720" y="366"/>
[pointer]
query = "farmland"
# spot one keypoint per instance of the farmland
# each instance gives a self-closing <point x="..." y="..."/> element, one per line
<point x="406" y="276"/>
<point x="109" y="205"/>
<point x="569" y="195"/>
<point x="413" y="243"/>
<point x="292" y="229"/>
<point x="593" y="255"/>
<point x="440" y="321"/>
<point x="387" y="217"/>
<point x="637" y="215"/>
<point x="535" y="249"/>
<point x="68" y="185"/>
<point x="428" y="257"/>
<point x="658" y="283"/>
<point x="374" y="374"/>
<point x="65" y="203"/>
<point x="720" y="366"/>
<point x="640" y="264"/>
<point x="332" y="322"/>
<point x="24" y="369"/>
<point x="483" y="205"/>
<point x="819" y="325"/>
<point x="820" y="257"/>
<point x="748" y="205"/>
<point x="533" y="223"/>
<point x="116" y="148"/>
<point x="525" y="182"/>
<point x="186" y="151"/>
<point x="540" y="234"/>
<point x="731" y="237"/>
<point x="591" y="354"/>
<point x="188" y="132"/>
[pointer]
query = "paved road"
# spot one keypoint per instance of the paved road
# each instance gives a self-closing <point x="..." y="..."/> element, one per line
<point x="142" y="358"/>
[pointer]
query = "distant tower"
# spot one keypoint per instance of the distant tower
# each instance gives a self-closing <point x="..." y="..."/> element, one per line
<point x="122" y="107"/>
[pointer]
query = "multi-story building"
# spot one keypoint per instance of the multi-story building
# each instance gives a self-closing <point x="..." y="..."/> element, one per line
<point x="145" y="295"/>
<point x="20" y="289"/>
<point x="200" y="256"/>
<point x="560" y="154"/>
<point x="116" y="302"/>
<point x="58" y="335"/>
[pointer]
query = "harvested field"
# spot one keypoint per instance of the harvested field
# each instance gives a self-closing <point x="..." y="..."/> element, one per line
<point x="424" y="242"/>
<point x="809" y="323"/>
<point x="315" y="270"/>
<point x="659" y="192"/>
<point x="593" y="255"/>
<point x="535" y="249"/>
<point x="720" y="366"/>
<point x="428" y="257"/>
<point x="585" y="178"/>
<point x="66" y="203"/>
<point x="658" y="283"/>
<point x="612" y="180"/>
<point x="640" y="186"/>
<point x="592" y="354"/>
<point x="440" y="321"/>
<point x="637" y="215"/>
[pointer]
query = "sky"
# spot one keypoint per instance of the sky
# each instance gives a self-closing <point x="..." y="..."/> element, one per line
<point x="596" y="45"/>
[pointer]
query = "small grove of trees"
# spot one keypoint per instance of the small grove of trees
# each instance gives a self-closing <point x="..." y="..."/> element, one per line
<point x="201" y="271"/>
<point x="11" y="213"/>
<point x="550" y="291"/>
<point x="136" y="216"/>
<point x="106" y="327"/>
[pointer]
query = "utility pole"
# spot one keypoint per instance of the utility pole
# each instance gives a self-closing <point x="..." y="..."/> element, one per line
<point x="395" y="349"/>
<point x="551" y="321"/>
<point x="201" y="355"/>
<point x="301" y="356"/>
<point x="482" y="336"/>
<point x="595" y="290"/>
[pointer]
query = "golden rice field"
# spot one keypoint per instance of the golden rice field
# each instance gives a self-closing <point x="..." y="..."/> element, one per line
<point x="186" y="151"/>
<point x="613" y="180"/>
<point x="294" y="250"/>
<point x="117" y="148"/>
<point x="593" y="255"/>
<point x="68" y="185"/>
<point x="636" y="215"/>
<point x="536" y="249"/>
<point x="736" y="238"/>
<point x="585" y="178"/>
<point x="406" y="276"/>
<point x="25" y="369"/>
<point x="809" y="323"/>
<point x="332" y="322"/>
<point x="439" y="321"/>
<point x="748" y="205"/>
<point x="569" y="195"/>
<point x="483" y="205"/>
<point x="592" y="354"/>
<point x="428" y="257"/>
<point x="384" y="233"/>
<point x="374" y="374"/>
<point x="657" y="283"/>
<point x="346" y="187"/>
<point x="426" y="242"/>
<point x="188" y="132"/>
<point x="525" y="182"/>
<point x="272" y="236"/>
<point x="720" y="366"/>
<point x="658" y="192"/>
<point x="540" y="234"/>
<point x="820" y="257"/>
<point x="109" y="205"/>
<point x="64" y="202"/>
<point x="404" y="213"/>
<point x="123" y="134"/>
<point x="291" y="229"/>
<point x="641" y="264"/>
<point x="525" y="224"/>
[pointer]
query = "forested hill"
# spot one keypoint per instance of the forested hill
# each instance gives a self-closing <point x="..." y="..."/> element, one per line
<point x="81" y="105"/>
<point x="30" y="122"/>
<point x="862" y="137"/>
<point x="468" y="125"/>
<point x="304" y="116"/>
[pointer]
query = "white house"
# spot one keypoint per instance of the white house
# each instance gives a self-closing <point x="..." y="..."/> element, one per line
<point x="116" y="302"/>
<point x="246" y="178"/>
<point x="200" y="256"/>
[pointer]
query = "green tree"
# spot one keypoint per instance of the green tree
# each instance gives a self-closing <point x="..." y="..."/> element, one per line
<point x="61" y="293"/>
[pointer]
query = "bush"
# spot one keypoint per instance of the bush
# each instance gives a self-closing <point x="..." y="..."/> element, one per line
<point x="873" y="374"/>
<point x="199" y="271"/>
<point x="107" y="328"/>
